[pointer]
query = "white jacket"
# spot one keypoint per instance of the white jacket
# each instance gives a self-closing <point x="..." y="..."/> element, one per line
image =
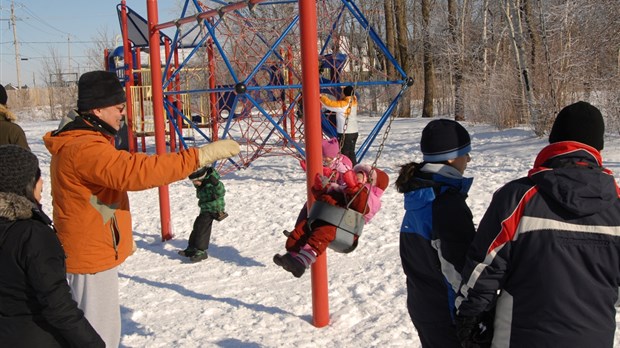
<point x="344" y="108"/>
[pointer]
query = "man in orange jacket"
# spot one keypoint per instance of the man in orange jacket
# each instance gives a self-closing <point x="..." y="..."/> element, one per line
<point x="90" y="179"/>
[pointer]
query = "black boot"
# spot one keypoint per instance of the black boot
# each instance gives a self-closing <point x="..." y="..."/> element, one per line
<point x="199" y="255"/>
<point x="188" y="252"/>
<point x="289" y="263"/>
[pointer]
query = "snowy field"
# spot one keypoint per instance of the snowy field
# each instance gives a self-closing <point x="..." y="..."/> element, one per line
<point x="239" y="298"/>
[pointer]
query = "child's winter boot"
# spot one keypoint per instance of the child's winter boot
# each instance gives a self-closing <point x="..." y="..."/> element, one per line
<point x="199" y="255"/>
<point x="296" y="263"/>
<point x="188" y="252"/>
<point x="290" y="263"/>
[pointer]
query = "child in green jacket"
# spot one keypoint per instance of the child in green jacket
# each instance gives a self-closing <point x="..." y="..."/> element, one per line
<point x="210" y="192"/>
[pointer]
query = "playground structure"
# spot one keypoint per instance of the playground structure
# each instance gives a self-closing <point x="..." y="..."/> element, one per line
<point x="238" y="70"/>
<point x="234" y="71"/>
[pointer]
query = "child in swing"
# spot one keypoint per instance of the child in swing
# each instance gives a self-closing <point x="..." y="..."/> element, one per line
<point x="210" y="193"/>
<point x="335" y="165"/>
<point x="363" y="185"/>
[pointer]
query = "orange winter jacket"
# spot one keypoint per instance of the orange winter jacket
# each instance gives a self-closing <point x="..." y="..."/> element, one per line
<point x="345" y="108"/>
<point x="90" y="179"/>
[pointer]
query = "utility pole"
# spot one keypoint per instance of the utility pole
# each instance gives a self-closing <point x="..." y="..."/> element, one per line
<point x="12" y="19"/>
<point x="69" y="52"/>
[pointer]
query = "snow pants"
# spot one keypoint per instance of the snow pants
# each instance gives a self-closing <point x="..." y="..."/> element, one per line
<point x="97" y="295"/>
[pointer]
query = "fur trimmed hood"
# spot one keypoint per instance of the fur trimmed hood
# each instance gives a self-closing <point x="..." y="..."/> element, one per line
<point x="14" y="207"/>
<point x="7" y="114"/>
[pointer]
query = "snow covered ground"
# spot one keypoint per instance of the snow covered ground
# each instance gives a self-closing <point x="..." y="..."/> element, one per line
<point x="239" y="298"/>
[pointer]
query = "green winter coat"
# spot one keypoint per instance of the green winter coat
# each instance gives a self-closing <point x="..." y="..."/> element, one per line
<point x="210" y="193"/>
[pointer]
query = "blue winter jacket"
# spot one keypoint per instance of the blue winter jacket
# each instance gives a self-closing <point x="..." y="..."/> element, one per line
<point x="436" y="232"/>
<point x="550" y="244"/>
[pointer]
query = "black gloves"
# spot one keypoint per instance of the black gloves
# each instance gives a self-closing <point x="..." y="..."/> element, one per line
<point x="477" y="331"/>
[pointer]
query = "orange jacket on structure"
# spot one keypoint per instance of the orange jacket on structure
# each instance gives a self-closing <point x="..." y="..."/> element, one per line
<point x="345" y="108"/>
<point x="90" y="179"/>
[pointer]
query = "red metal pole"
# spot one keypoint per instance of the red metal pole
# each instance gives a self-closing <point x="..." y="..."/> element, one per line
<point x="289" y="65"/>
<point x="178" y="102"/>
<point x="141" y="99"/>
<point x="212" y="97"/>
<point x="313" y="136"/>
<point x="106" y="54"/>
<point x="128" y="58"/>
<point x="172" y="134"/>
<point x="158" y="113"/>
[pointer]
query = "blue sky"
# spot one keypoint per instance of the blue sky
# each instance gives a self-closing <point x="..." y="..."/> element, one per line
<point x="69" y="26"/>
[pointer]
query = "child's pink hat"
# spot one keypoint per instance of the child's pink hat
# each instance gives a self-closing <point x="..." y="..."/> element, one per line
<point x="330" y="147"/>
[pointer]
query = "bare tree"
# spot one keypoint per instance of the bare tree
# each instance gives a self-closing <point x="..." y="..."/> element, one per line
<point x="403" y="52"/>
<point x="429" y="73"/>
<point x="102" y="41"/>
<point x="61" y="85"/>
<point x="390" y="34"/>
<point x="459" y="112"/>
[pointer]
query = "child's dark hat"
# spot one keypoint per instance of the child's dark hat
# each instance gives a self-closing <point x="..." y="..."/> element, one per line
<point x="443" y="140"/>
<point x="199" y="174"/>
<point x="99" y="89"/>
<point x="581" y="122"/>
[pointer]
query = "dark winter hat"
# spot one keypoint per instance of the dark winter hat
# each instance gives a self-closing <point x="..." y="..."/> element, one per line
<point x="199" y="174"/>
<point x="443" y="140"/>
<point x="580" y="122"/>
<point x="99" y="89"/>
<point x="19" y="170"/>
<point x="3" y="97"/>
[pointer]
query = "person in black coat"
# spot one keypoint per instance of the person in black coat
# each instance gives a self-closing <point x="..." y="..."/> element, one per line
<point x="546" y="256"/>
<point x="36" y="308"/>
<point x="437" y="230"/>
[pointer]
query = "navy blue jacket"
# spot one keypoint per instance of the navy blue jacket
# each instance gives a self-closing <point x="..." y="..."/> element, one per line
<point x="551" y="243"/>
<point x="436" y="232"/>
<point x="36" y="308"/>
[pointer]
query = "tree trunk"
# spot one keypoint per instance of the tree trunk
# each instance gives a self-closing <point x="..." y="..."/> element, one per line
<point x="429" y="75"/>
<point x="485" y="40"/>
<point x="459" y="113"/>
<point x="522" y="66"/>
<point x="403" y="54"/>
<point x="533" y="33"/>
<point x="390" y="37"/>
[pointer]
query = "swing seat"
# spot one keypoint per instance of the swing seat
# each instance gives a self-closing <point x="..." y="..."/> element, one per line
<point x="349" y="223"/>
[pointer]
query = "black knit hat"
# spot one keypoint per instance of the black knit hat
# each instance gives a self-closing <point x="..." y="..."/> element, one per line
<point x="199" y="174"/>
<point x="581" y="122"/>
<point x="3" y="97"/>
<point x="99" y="89"/>
<point x="19" y="169"/>
<point x="443" y="140"/>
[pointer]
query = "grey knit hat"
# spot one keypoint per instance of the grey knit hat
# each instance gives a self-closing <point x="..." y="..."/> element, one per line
<point x="19" y="170"/>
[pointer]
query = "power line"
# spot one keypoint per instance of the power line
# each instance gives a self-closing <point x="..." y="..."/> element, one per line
<point x="53" y="42"/>
<point x="42" y="21"/>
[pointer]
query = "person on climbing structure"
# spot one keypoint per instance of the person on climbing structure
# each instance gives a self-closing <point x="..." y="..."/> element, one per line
<point x="210" y="192"/>
<point x="363" y="188"/>
<point x="346" y="120"/>
<point x="437" y="230"/>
